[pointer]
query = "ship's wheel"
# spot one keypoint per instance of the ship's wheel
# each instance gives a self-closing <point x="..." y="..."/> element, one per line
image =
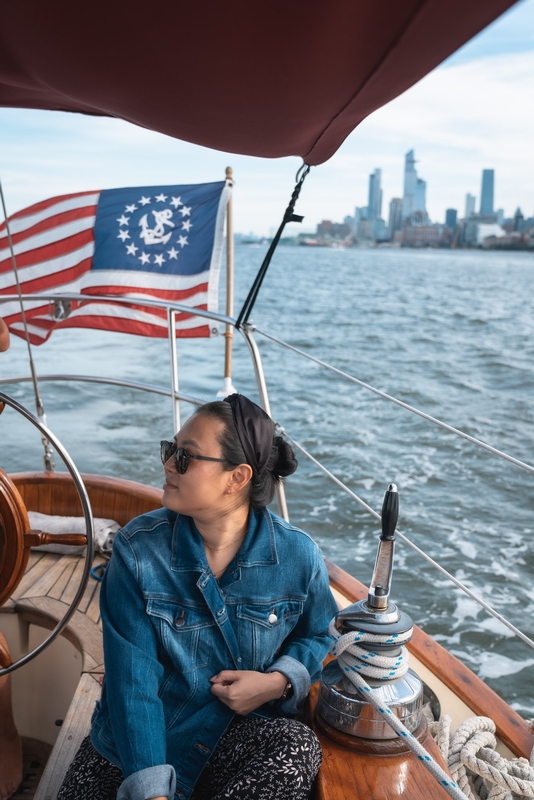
<point x="16" y="537"/>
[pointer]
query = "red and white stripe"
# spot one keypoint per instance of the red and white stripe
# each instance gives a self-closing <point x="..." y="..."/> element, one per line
<point x="53" y="243"/>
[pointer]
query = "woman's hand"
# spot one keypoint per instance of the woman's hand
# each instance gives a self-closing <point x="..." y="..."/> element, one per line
<point x="244" y="690"/>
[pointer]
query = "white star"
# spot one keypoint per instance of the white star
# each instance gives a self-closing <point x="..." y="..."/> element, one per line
<point x="159" y="260"/>
<point x="144" y="259"/>
<point x="182" y="240"/>
<point x="131" y="209"/>
<point x="144" y="201"/>
<point x="172" y="253"/>
<point x="131" y="249"/>
<point x="187" y="225"/>
<point x="176" y="201"/>
<point x="160" y="198"/>
<point x="185" y="211"/>
<point x="123" y="235"/>
<point x="123" y="220"/>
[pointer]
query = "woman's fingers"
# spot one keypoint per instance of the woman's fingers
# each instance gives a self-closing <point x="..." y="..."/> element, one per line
<point x="226" y="676"/>
<point x="244" y="690"/>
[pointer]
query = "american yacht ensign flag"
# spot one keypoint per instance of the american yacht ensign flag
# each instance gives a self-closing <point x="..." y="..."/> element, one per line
<point x="157" y="242"/>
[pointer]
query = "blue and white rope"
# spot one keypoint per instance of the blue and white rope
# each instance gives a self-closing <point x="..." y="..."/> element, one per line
<point x="355" y="662"/>
<point x="361" y="660"/>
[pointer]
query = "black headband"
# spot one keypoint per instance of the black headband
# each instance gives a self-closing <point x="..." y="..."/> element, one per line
<point x="255" y="429"/>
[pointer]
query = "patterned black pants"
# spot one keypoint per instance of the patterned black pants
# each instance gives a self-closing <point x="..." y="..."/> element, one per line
<point x="256" y="759"/>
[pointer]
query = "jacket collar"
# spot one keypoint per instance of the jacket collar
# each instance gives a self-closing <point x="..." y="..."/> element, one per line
<point x="258" y="548"/>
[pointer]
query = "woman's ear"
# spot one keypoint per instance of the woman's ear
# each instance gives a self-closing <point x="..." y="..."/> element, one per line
<point x="239" y="478"/>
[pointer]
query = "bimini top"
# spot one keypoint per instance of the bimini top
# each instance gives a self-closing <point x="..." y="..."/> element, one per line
<point x="277" y="78"/>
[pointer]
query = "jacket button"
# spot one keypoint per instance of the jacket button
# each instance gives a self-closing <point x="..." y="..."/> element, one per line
<point x="273" y="618"/>
<point x="179" y="621"/>
<point x="220" y="612"/>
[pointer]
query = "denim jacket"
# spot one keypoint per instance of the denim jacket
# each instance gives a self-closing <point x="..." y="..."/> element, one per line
<point x="169" y="626"/>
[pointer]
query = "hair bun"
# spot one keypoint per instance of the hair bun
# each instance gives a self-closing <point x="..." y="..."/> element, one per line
<point x="286" y="463"/>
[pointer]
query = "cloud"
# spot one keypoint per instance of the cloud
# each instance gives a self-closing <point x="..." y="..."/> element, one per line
<point x="460" y="119"/>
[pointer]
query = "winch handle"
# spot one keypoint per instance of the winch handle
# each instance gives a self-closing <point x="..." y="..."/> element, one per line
<point x="390" y="513"/>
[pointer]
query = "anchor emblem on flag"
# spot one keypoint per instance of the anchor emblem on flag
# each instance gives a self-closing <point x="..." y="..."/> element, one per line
<point x="157" y="234"/>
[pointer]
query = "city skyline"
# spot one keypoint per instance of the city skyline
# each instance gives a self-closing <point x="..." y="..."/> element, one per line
<point x="413" y="199"/>
<point x="409" y="224"/>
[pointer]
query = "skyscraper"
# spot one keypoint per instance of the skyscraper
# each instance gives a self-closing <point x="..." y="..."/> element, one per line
<point x="395" y="216"/>
<point x="470" y="200"/>
<point x="414" y="188"/>
<point x="420" y="195"/>
<point x="486" y="194"/>
<point x="450" y="218"/>
<point x="375" y="195"/>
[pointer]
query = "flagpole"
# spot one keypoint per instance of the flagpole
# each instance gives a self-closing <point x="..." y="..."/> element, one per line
<point x="48" y="454"/>
<point x="229" y="332"/>
<point x="171" y="322"/>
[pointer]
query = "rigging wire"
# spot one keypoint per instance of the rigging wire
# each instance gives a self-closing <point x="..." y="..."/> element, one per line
<point x="48" y="454"/>
<point x="400" y="403"/>
<point x="289" y="216"/>
<point x="411" y="544"/>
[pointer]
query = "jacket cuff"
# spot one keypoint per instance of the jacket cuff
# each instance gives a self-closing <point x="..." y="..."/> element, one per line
<point x="151" y="782"/>
<point x="299" y="678"/>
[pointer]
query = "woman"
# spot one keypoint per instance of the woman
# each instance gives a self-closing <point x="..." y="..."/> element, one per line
<point x="215" y="616"/>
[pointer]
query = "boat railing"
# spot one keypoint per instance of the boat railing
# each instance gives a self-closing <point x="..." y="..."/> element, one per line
<point x="248" y="330"/>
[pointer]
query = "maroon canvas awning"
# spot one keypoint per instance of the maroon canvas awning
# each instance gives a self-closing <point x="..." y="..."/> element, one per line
<point x="287" y="77"/>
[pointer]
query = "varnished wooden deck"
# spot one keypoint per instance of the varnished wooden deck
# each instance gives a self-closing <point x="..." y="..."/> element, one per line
<point x="45" y="594"/>
<point x="43" y="597"/>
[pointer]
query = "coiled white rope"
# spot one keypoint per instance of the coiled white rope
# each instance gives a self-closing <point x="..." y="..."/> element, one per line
<point x="473" y="762"/>
<point x="469" y="753"/>
<point x="355" y="662"/>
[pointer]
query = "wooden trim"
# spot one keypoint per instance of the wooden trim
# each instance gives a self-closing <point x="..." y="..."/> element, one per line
<point x="111" y="498"/>
<point x="512" y="729"/>
<point x="81" y="631"/>
<point x="74" y="729"/>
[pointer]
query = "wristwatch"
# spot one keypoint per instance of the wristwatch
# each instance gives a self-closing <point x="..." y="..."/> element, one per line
<point x="286" y="690"/>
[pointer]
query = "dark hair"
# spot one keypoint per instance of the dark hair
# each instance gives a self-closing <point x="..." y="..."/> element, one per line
<point x="282" y="461"/>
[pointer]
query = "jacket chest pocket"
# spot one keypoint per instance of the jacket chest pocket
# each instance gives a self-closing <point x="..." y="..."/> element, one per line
<point x="186" y="633"/>
<point x="262" y="629"/>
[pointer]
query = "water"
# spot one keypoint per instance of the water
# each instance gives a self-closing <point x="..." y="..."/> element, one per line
<point x="451" y="333"/>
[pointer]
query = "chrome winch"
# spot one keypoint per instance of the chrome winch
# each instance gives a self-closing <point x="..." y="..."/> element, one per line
<point x="341" y="704"/>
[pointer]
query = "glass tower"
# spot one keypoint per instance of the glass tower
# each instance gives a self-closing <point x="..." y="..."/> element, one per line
<point x="486" y="195"/>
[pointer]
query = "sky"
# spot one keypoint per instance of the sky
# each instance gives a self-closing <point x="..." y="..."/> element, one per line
<point x="474" y="112"/>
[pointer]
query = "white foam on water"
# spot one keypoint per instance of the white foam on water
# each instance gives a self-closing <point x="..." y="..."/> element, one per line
<point x="330" y="506"/>
<point x="467" y="549"/>
<point x="465" y="607"/>
<point x="493" y="665"/>
<point x="522" y="709"/>
<point x="498" y="568"/>
<point x="494" y="626"/>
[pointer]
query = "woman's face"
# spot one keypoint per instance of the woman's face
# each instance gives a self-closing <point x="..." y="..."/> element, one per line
<point x="206" y="486"/>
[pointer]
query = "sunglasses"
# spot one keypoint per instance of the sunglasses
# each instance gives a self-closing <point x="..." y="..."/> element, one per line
<point x="181" y="456"/>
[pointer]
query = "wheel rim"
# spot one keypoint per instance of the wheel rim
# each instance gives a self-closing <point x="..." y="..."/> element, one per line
<point x="19" y="514"/>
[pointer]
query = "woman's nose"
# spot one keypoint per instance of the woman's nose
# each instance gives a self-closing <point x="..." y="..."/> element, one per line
<point x="170" y="464"/>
